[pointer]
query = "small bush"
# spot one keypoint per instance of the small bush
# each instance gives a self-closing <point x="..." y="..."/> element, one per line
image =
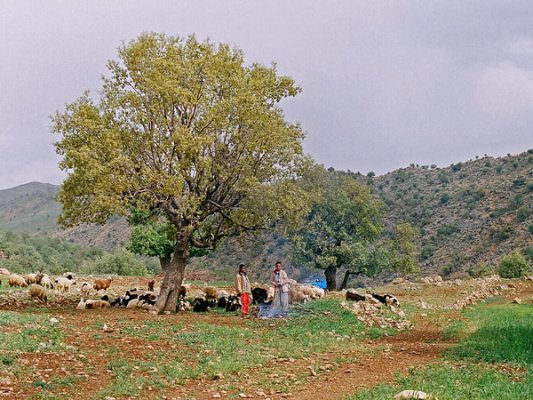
<point x="121" y="262"/>
<point x="513" y="265"/>
<point x="480" y="270"/>
<point x="444" y="198"/>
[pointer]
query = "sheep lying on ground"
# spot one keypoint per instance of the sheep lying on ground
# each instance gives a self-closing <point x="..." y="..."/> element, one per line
<point x="38" y="291"/>
<point x="200" y="305"/>
<point x="90" y="304"/>
<point x="387" y="299"/>
<point x="354" y="296"/>
<point x="4" y="271"/>
<point x="17" y="280"/>
<point x="102" y="284"/>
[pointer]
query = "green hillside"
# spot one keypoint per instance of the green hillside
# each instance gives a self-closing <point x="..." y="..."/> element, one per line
<point x="469" y="214"/>
<point x="31" y="208"/>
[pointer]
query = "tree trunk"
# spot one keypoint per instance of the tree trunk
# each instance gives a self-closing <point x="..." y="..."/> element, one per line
<point x="174" y="270"/>
<point x="346" y="277"/>
<point x="331" y="277"/>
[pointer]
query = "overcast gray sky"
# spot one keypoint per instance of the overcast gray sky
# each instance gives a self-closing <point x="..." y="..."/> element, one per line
<point x="385" y="84"/>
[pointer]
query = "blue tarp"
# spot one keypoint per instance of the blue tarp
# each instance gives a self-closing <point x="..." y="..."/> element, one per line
<point x="316" y="281"/>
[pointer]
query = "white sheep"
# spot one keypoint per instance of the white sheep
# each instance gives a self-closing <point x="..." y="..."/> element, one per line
<point x="38" y="291"/>
<point x="46" y="282"/>
<point x="30" y="278"/>
<point x="64" y="284"/>
<point x="4" y="271"/>
<point x="17" y="280"/>
<point x="85" y="289"/>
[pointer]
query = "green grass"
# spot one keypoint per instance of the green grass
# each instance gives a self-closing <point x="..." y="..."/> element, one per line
<point x="448" y="382"/>
<point x="26" y="333"/>
<point x="494" y="362"/>
<point x="504" y="334"/>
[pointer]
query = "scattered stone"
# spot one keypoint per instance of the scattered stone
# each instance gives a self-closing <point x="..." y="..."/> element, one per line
<point x="411" y="394"/>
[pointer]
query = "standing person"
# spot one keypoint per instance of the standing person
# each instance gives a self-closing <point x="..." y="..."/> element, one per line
<point x="244" y="289"/>
<point x="280" y="302"/>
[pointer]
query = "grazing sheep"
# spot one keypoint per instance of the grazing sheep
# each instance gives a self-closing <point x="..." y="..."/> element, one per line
<point x="69" y="275"/>
<point x="296" y="296"/>
<point x="30" y="278"/>
<point x="210" y="292"/>
<point x="46" y="282"/>
<point x="85" y="289"/>
<point x="4" y="271"/>
<point x="63" y="284"/>
<point x="38" y="291"/>
<point x="307" y="290"/>
<point x="89" y="304"/>
<point x="318" y="293"/>
<point x="17" y="280"/>
<point x="104" y="284"/>
<point x="81" y="305"/>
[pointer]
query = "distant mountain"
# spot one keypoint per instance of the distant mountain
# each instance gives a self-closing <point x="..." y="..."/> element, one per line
<point x="31" y="208"/>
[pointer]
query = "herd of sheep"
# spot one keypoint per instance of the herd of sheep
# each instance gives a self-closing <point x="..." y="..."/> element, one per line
<point x="197" y="299"/>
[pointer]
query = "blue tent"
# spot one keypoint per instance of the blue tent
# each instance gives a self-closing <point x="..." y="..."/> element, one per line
<point x="318" y="281"/>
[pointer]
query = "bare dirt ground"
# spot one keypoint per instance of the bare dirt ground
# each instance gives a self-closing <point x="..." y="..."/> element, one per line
<point x="330" y="375"/>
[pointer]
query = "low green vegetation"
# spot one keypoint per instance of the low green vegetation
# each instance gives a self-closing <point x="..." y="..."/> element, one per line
<point x="494" y="362"/>
<point x="513" y="265"/>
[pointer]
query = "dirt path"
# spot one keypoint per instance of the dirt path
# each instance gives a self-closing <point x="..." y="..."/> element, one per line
<point x="323" y="376"/>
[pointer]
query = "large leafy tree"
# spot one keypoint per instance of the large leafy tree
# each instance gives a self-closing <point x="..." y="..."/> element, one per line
<point x="341" y="228"/>
<point x="187" y="133"/>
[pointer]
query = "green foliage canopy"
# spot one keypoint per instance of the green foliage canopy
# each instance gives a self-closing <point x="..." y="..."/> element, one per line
<point x="187" y="129"/>
<point x="513" y="265"/>
<point x="343" y="221"/>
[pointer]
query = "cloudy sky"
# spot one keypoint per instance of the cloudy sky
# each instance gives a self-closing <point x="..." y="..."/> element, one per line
<point x="385" y="84"/>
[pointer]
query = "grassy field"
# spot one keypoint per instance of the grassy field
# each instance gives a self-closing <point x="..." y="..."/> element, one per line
<point x="492" y="360"/>
<point x="53" y="351"/>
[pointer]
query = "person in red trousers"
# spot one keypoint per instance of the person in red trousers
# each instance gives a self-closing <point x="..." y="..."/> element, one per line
<point x="244" y="289"/>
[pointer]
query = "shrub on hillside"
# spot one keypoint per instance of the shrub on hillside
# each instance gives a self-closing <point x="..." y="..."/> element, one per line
<point x="121" y="262"/>
<point x="480" y="270"/>
<point x="523" y="213"/>
<point x="513" y="265"/>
